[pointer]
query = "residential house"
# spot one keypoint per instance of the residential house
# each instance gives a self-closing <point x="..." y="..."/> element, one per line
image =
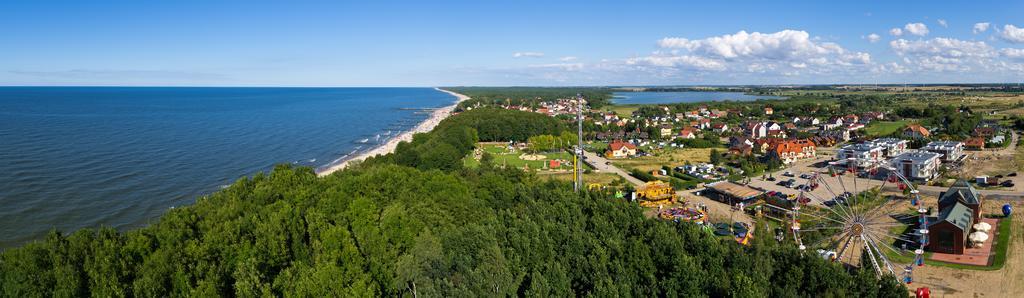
<point x="951" y="151"/>
<point x="871" y="116"/>
<point x="736" y="141"/>
<point x="984" y="131"/>
<point x="975" y="143"/>
<point x="916" y="131"/>
<point x="823" y="141"/>
<point x="620" y="149"/>
<point x="917" y="164"/>
<point x="839" y="135"/>
<point x="764" y="144"/>
<point x="688" y="133"/>
<point x="812" y="121"/>
<point x="790" y="151"/>
<point x="768" y="111"/>
<point x="720" y="127"/>
<point x="832" y="123"/>
<point x="851" y="119"/>
<point x="666" y="130"/>
<point x="741" y="149"/>
<point x="757" y="130"/>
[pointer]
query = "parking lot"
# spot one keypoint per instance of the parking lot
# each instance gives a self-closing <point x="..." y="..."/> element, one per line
<point x="828" y="190"/>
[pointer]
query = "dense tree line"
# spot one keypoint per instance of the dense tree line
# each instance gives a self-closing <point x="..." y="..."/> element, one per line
<point x="530" y="96"/>
<point x="397" y="227"/>
<point x="501" y="125"/>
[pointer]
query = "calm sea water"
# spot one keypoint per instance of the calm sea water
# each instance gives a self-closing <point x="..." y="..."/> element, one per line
<point x="683" y="97"/>
<point x="78" y="157"/>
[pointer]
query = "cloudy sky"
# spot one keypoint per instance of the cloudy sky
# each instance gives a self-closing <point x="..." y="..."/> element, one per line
<point x="428" y="43"/>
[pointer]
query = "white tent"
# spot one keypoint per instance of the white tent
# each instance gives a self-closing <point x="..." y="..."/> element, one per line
<point x="983" y="226"/>
<point x="978" y="237"/>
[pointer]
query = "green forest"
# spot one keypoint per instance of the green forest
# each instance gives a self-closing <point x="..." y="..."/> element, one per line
<point x="530" y="96"/>
<point x="412" y="224"/>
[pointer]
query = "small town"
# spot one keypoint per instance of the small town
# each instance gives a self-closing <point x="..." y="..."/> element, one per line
<point x="836" y="180"/>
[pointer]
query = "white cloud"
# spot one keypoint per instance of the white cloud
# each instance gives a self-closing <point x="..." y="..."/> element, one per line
<point x="1012" y="34"/>
<point x="980" y="27"/>
<point x="943" y="23"/>
<point x="896" y="32"/>
<point x="873" y="38"/>
<point x="561" y="66"/>
<point x="782" y="45"/>
<point x="782" y="53"/>
<point x="528" y="55"/>
<point x="945" y="54"/>
<point x="889" y="68"/>
<point x="568" y="58"/>
<point x="945" y="47"/>
<point x="918" y="29"/>
<point x="1012" y="53"/>
<point x="686" y="61"/>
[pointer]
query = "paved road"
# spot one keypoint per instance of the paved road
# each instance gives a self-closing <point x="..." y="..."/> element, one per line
<point x="718" y="210"/>
<point x="602" y="164"/>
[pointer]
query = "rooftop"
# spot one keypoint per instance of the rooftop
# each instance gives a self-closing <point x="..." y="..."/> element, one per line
<point x="917" y="156"/>
<point x="735" y="190"/>
<point x="957" y="214"/>
<point x="942" y="145"/>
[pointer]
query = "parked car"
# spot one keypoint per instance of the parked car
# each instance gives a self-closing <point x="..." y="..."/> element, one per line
<point x="1007" y="183"/>
<point x="771" y="178"/>
<point x="788" y="174"/>
<point x="1014" y="174"/>
<point x="805" y="176"/>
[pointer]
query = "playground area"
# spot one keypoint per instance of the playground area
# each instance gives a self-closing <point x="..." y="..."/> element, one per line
<point x="514" y="156"/>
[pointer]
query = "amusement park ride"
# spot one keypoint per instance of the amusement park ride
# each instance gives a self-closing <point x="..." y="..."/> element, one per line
<point x="853" y="224"/>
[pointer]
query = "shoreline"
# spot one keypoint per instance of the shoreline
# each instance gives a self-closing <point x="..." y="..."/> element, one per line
<point x="427" y="125"/>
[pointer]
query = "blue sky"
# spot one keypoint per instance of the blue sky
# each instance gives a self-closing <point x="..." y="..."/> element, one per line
<point x="435" y="43"/>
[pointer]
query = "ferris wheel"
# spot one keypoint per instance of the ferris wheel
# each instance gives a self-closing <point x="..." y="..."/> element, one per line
<point x="842" y="216"/>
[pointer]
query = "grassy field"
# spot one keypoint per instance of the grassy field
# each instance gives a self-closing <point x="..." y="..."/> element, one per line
<point x="622" y="110"/>
<point x="666" y="157"/>
<point x="513" y="159"/>
<point x="884" y="128"/>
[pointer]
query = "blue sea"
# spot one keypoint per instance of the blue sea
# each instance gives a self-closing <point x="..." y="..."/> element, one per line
<point x="83" y="157"/>
<point x="684" y="97"/>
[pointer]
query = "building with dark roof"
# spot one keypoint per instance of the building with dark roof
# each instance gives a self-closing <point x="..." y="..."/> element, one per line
<point x="948" y="232"/>
<point x="963" y="193"/>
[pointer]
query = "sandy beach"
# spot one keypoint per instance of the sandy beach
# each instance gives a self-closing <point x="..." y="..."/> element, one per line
<point x="425" y="126"/>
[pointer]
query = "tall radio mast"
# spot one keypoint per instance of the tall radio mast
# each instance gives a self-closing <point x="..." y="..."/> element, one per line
<point x="577" y="167"/>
